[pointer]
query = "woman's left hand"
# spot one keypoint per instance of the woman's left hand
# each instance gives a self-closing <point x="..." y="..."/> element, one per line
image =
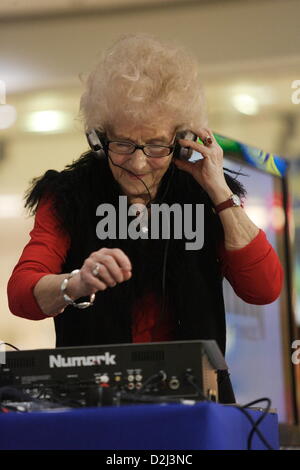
<point x="208" y="172"/>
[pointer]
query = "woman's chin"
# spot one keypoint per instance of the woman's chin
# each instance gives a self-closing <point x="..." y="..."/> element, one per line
<point x="134" y="190"/>
<point x="135" y="187"/>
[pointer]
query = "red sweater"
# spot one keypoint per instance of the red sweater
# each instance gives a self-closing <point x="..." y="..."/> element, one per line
<point x="254" y="272"/>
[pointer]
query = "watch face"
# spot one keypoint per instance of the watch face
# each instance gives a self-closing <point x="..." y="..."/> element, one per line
<point x="236" y="200"/>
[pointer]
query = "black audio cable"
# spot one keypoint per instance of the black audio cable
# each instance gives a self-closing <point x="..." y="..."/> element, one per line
<point x="172" y="171"/>
<point x="256" y="423"/>
<point x="132" y="173"/>
<point x="10" y="345"/>
<point x="191" y="379"/>
<point x="159" y="376"/>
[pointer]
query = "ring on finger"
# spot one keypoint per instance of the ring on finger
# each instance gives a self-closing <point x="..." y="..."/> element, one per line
<point x="95" y="271"/>
<point x="207" y="140"/>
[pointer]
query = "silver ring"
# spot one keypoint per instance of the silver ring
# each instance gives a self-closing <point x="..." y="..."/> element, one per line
<point x="95" y="271"/>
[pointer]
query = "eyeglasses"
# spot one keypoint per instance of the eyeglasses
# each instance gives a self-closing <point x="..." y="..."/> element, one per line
<point x="127" y="148"/>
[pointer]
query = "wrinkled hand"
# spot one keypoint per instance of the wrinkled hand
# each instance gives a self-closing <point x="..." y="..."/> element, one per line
<point x="103" y="268"/>
<point x="208" y="172"/>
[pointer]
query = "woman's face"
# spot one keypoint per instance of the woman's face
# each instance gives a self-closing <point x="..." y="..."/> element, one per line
<point x="150" y="170"/>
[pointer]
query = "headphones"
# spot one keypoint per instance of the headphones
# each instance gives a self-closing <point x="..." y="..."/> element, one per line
<point x="98" y="144"/>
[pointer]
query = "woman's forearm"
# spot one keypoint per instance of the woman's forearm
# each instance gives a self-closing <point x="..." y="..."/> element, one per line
<point x="48" y="293"/>
<point x="239" y="230"/>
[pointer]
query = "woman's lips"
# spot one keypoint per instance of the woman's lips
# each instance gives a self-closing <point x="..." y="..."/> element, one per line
<point x="136" y="176"/>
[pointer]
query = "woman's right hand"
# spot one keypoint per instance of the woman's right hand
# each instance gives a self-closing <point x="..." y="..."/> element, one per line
<point x="113" y="267"/>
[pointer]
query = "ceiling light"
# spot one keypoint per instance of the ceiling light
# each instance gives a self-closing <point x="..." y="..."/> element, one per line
<point x="11" y="206"/>
<point x="8" y="116"/>
<point x="245" y="104"/>
<point x="47" y="121"/>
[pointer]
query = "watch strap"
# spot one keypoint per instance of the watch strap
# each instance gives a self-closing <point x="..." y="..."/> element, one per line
<point x="230" y="202"/>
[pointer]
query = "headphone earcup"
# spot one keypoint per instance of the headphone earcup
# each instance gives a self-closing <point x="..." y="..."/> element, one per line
<point x="176" y="151"/>
<point x="101" y="155"/>
<point x="183" y="153"/>
<point x="97" y="143"/>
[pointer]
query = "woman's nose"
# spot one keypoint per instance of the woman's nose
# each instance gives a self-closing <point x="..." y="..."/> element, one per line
<point x="138" y="160"/>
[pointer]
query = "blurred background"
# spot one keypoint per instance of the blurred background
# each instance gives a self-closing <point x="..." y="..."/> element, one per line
<point x="249" y="53"/>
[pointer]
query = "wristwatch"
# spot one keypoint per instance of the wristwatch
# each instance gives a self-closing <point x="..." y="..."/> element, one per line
<point x="233" y="201"/>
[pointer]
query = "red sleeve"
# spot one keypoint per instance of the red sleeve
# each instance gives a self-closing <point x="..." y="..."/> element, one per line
<point x="44" y="254"/>
<point x="254" y="271"/>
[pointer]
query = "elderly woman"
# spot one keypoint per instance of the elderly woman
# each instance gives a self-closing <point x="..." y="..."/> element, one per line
<point x="118" y="289"/>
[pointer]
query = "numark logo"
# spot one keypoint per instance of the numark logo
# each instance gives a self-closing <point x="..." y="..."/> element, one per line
<point x="79" y="361"/>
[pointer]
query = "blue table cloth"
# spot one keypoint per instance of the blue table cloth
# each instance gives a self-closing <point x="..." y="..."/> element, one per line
<point x="140" y="427"/>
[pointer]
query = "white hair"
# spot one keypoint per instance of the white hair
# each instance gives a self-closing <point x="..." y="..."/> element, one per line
<point x="143" y="79"/>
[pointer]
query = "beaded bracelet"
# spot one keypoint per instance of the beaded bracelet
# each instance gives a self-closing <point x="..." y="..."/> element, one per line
<point x="68" y="299"/>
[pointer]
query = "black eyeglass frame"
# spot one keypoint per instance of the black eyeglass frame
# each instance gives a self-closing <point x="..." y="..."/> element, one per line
<point x="141" y="147"/>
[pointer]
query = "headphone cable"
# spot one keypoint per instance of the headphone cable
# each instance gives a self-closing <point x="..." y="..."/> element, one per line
<point x="163" y="301"/>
